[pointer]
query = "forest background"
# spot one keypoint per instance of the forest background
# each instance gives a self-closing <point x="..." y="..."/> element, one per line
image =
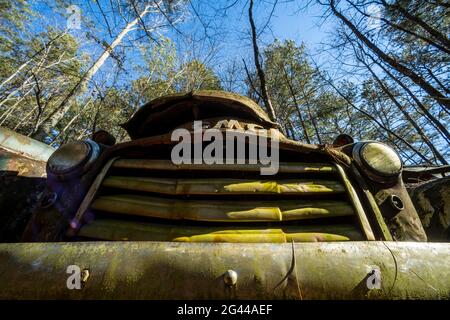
<point x="376" y="70"/>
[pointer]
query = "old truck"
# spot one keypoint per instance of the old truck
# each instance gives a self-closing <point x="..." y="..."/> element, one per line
<point x="334" y="222"/>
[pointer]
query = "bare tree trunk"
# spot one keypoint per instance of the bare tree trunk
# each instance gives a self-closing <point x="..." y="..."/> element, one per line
<point x="311" y="118"/>
<point x="259" y="70"/>
<point x="368" y="115"/>
<point x="287" y="130"/>
<point x="291" y="128"/>
<point x="82" y="134"/>
<point x="47" y="46"/>
<point x="24" y="120"/>
<point x="433" y="32"/>
<point x="25" y="83"/>
<point x="444" y="132"/>
<point x="439" y="83"/>
<point x="417" y="79"/>
<point x="250" y="81"/>
<point x="313" y="121"/>
<point x="35" y="71"/>
<point x="12" y="93"/>
<point x="406" y="114"/>
<point x="55" y="117"/>
<point x="399" y="27"/>
<point x="69" y="124"/>
<point x="302" y="122"/>
<point x="15" y="73"/>
<point x="14" y="106"/>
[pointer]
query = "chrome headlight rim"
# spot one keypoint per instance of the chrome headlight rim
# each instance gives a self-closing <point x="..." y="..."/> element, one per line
<point x="79" y="166"/>
<point x="368" y="169"/>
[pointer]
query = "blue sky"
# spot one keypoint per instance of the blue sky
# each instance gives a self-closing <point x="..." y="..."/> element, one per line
<point x="303" y="26"/>
<point x="287" y="22"/>
<point x="233" y="43"/>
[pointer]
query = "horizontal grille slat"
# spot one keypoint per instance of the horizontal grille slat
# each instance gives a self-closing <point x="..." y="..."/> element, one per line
<point x="284" y="167"/>
<point x="108" y="229"/>
<point x="204" y="210"/>
<point x="156" y="200"/>
<point x="222" y="186"/>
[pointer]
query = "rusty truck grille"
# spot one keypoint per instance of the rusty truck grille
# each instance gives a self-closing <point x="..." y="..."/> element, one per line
<point x="142" y="199"/>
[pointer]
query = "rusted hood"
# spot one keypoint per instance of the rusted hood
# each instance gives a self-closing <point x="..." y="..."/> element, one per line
<point x="161" y="115"/>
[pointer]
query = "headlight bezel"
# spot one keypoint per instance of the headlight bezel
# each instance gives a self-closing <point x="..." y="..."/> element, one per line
<point x="370" y="171"/>
<point x="57" y="167"/>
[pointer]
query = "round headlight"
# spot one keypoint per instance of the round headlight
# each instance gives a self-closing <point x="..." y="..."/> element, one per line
<point x="380" y="160"/>
<point x="73" y="159"/>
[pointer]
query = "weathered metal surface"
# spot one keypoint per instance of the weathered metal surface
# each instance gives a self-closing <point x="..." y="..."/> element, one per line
<point x="241" y="211"/>
<point x="432" y="201"/>
<point x="221" y="211"/>
<point x="119" y="230"/>
<point x="156" y="270"/>
<point x="12" y="164"/>
<point x="165" y="113"/>
<point x="378" y="216"/>
<point x="51" y="223"/>
<point x="73" y="159"/>
<point x="291" y="167"/>
<point x="24" y="146"/>
<point x="167" y="270"/>
<point x="418" y="174"/>
<point x="223" y="186"/>
<point x="89" y="196"/>
<point x="262" y="236"/>
<point x="365" y="225"/>
<point x="22" y="181"/>
<point x="404" y="224"/>
<point x="380" y="224"/>
<point x="224" y="111"/>
<point x="230" y="278"/>
<point x="378" y="161"/>
<point x="284" y="144"/>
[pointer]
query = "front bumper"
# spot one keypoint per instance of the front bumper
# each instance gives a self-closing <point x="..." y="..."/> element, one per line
<point x="168" y="270"/>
